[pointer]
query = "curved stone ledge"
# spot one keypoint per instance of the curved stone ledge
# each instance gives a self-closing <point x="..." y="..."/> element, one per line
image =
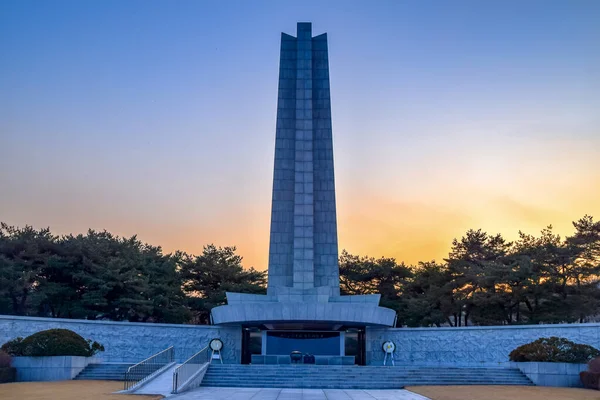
<point x="347" y="313"/>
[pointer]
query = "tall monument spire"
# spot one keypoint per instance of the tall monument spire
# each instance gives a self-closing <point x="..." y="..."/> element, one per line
<point x="304" y="281"/>
<point x="303" y="250"/>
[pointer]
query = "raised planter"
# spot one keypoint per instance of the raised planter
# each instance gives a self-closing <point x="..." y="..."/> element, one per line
<point x="56" y="368"/>
<point x="552" y="374"/>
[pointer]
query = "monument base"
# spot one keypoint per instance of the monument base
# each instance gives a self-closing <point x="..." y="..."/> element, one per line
<point x="247" y="309"/>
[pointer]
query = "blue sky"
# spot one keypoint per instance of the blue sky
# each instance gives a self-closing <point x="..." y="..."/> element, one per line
<point x="158" y="118"/>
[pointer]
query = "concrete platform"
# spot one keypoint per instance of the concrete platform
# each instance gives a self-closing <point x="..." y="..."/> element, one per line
<point x="208" y="393"/>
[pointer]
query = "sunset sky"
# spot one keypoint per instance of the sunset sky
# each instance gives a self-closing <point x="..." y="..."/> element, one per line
<point x="157" y="118"/>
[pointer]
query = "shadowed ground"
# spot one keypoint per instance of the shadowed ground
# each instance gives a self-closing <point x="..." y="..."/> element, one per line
<point x="67" y="390"/>
<point x="504" y="393"/>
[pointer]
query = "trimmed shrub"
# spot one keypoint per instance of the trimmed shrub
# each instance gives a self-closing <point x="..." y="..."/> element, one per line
<point x="13" y="347"/>
<point x="53" y="342"/>
<point x="5" y="359"/>
<point x="590" y="380"/>
<point x="594" y="365"/>
<point x="591" y="377"/>
<point x="554" y="349"/>
<point x="8" y="375"/>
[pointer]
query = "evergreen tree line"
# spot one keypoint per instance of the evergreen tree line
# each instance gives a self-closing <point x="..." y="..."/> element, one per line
<point x="485" y="280"/>
<point x="102" y="276"/>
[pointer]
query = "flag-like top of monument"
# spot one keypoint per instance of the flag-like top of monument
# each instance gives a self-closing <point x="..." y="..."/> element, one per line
<point x="304" y="277"/>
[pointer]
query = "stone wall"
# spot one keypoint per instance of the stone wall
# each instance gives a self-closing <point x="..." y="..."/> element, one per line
<point x="484" y="346"/>
<point x="131" y="341"/>
<point x="552" y="374"/>
<point x="56" y="368"/>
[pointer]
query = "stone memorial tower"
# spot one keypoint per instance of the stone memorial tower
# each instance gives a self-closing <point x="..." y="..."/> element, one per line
<point x="303" y="290"/>
<point x="303" y="255"/>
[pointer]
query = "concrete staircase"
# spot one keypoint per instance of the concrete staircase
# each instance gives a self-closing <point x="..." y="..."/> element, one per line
<point x="355" y="377"/>
<point x="104" y="372"/>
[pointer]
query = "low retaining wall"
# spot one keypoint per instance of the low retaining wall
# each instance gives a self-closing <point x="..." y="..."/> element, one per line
<point x="552" y="374"/>
<point x="57" y="368"/>
<point x="131" y="341"/>
<point x="470" y="346"/>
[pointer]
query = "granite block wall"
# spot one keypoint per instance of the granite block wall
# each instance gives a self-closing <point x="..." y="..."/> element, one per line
<point x="470" y="346"/>
<point x="131" y="341"/>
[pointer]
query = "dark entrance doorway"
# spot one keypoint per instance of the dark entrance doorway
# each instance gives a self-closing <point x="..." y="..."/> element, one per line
<point x="355" y="345"/>
<point x="251" y="343"/>
<point x="341" y="342"/>
<point x="307" y="342"/>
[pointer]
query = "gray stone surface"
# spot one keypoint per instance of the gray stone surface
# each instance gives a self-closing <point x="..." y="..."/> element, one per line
<point x="55" y="368"/>
<point x="303" y="249"/>
<point x="128" y="341"/>
<point x="356" y="377"/>
<point x="485" y="346"/>
<point x="303" y="252"/>
<point x="206" y="393"/>
<point x="334" y="312"/>
<point x="552" y="374"/>
<point x="471" y="346"/>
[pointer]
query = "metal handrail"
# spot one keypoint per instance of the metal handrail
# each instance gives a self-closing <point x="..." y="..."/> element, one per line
<point x="140" y="371"/>
<point x="189" y="367"/>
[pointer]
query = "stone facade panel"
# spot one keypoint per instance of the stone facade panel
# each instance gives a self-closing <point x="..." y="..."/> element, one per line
<point x="128" y="341"/>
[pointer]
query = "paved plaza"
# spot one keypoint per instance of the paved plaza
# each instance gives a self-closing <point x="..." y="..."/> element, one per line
<point x="214" y="393"/>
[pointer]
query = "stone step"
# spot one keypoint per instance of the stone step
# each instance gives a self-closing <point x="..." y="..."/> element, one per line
<point x="360" y="372"/>
<point x="109" y="372"/>
<point x="371" y="384"/>
<point x="374" y="384"/>
<point x="403" y="381"/>
<point x="379" y="387"/>
<point x="367" y="380"/>
<point x="439" y="377"/>
<point x="353" y="370"/>
<point x="350" y="371"/>
<point x="355" y="377"/>
<point x="364" y="377"/>
<point x="102" y="373"/>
